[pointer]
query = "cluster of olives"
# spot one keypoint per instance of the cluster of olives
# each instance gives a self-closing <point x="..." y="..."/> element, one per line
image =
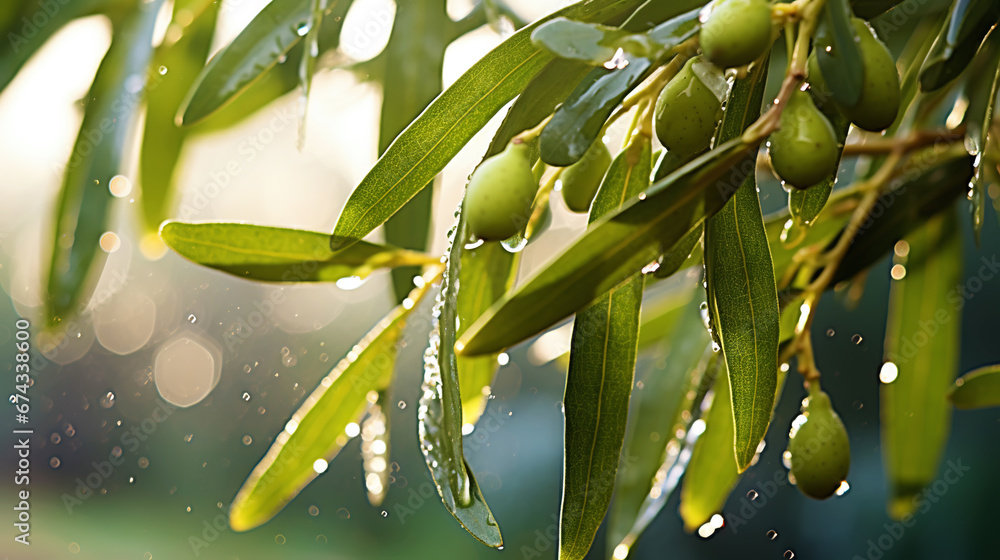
<point x="818" y="448"/>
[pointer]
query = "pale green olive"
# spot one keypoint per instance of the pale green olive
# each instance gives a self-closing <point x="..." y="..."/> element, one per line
<point x="737" y="32"/>
<point x="581" y="180"/>
<point x="818" y="448"/>
<point x="879" y="102"/>
<point x="804" y="150"/>
<point x="688" y="109"/>
<point x="500" y="192"/>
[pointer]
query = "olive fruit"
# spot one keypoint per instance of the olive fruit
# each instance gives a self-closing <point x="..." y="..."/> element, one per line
<point x="879" y="102"/>
<point x="817" y="82"/>
<point x="581" y="180"/>
<point x="736" y="32"/>
<point x="818" y="447"/>
<point x="688" y="109"/>
<point x="500" y="192"/>
<point x="804" y="150"/>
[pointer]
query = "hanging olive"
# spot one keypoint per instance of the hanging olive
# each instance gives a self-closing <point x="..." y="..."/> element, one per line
<point x="879" y="102"/>
<point x="736" y="32"/>
<point x="581" y="180"/>
<point x="689" y="107"/>
<point x="818" y="448"/>
<point x="500" y="192"/>
<point x="804" y="150"/>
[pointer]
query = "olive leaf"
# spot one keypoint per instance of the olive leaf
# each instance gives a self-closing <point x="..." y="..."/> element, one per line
<point x="450" y="121"/>
<point x="920" y="366"/>
<point x="968" y="23"/>
<point x="273" y="254"/>
<point x="838" y="54"/>
<point x="601" y="367"/>
<point x="981" y="90"/>
<point x="591" y="43"/>
<point x="414" y="58"/>
<point x="315" y="434"/>
<point x="85" y="198"/>
<point x="980" y="388"/>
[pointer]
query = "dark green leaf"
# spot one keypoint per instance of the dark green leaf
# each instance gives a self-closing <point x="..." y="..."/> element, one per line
<point x="433" y="139"/>
<point x="656" y="412"/>
<point x="440" y="414"/>
<point x="981" y="90"/>
<point x="617" y="246"/>
<point x="85" y="198"/>
<point x="579" y="120"/>
<point x="980" y="388"/>
<point x="968" y="23"/>
<point x="414" y="59"/>
<point x="316" y="430"/>
<point x="162" y="139"/>
<point x="836" y="47"/>
<point x="921" y="361"/>
<point x="265" y="42"/>
<point x="280" y="254"/>
<point x="601" y="366"/>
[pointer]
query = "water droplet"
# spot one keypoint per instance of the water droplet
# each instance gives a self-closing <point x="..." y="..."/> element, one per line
<point x="246" y="397"/>
<point x="752" y="494"/>
<point x="188" y="509"/>
<point x="401" y="405"/>
<point x="772" y="534"/>
<point x="116" y="451"/>
<point x="514" y="244"/>
<point x="143" y="462"/>
<point x="162" y="70"/>
<point x="343" y="513"/>
<point x="246" y="368"/>
<point x="279" y="538"/>
<point x="856" y="339"/>
<point x="188" y="438"/>
<point x="74" y="548"/>
<point x="69" y="430"/>
<point x="789" y="555"/>
<point x="192" y="318"/>
<point x="385" y="513"/>
<point x="313" y="511"/>
<point x="108" y="400"/>
<point x="302" y="29"/>
<point x="843" y="488"/>
<point x="247" y="440"/>
<point x="55" y="437"/>
<point x="830" y="332"/>
<point x="55" y="462"/>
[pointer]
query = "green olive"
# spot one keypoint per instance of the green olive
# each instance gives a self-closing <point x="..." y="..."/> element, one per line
<point x="688" y="109"/>
<point x="581" y="180"/>
<point x="736" y="32"/>
<point x="818" y="448"/>
<point x="817" y="83"/>
<point x="500" y="192"/>
<point x="804" y="150"/>
<point x="876" y="109"/>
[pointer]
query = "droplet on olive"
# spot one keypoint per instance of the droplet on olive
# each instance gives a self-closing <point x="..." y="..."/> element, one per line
<point x="500" y="192"/>
<point x="581" y="180"/>
<point x="736" y="32"/>
<point x="688" y="109"/>
<point x="804" y="150"/>
<point x="819" y="448"/>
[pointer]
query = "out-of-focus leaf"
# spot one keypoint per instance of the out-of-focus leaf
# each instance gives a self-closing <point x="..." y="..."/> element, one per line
<point x="618" y="245"/>
<point x="433" y="139"/>
<point x="981" y="90"/>
<point x="980" y="388"/>
<point x="601" y="367"/>
<point x="488" y="271"/>
<point x="439" y="417"/>
<point x="805" y="205"/>
<point x="414" y="60"/>
<point x="316" y="431"/>
<point x="968" y="23"/>
<point x="579" y="120"/>
<point x="742" y="297"/>
<point x="177" y="64"/>
<point x="85" y="198"/>
<point x="836" y="47"/>
<point x="868" y="9"/>
<point x="905" y="207"/>
<point x="280" y="254"/>
<point x="265" y="42"/>
<point x="921" y="364"/>
<point x="656" y="413"/>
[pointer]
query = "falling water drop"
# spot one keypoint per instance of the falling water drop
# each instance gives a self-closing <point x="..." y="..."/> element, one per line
<point x="856" y="339"/>
<point x="246" y="397"/>
<point x="772" y="534"/>
<point x="789" y="555"/>
<point x="54" y="462"/>
<point x="108" y="400"/>
<point x="752" y="495"/>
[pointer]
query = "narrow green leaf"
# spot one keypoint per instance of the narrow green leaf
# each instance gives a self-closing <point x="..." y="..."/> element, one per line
<point x="679" y="255"/>
<point x="432" y="140"/>
<point x="981" y="90"/>
<point x="968" y="23"/>
<point x="85" y="198"/>
<point x="656" y="412"/>
<point x="265" y="42"/>
<point x="601" y="367"/>
<point x="837" y="52"/>
<point x="414" y="58"/>
<point x="904" y="208"/>
<point x="576" y="124"/>
<point x="439" y="418"/>
<point x="274" y="254"/>
<point x="617" y="246"/>
<point x="176" y="65"/>
<point x="980" y="388"/>
<point x="921" y="354"/>
<point x="316" y="431"/>
<point x="591" y="43"/>
<point x="805" y="205"/>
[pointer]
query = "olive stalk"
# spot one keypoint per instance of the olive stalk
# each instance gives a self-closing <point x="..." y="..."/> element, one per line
<point x="915" y="140"/>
